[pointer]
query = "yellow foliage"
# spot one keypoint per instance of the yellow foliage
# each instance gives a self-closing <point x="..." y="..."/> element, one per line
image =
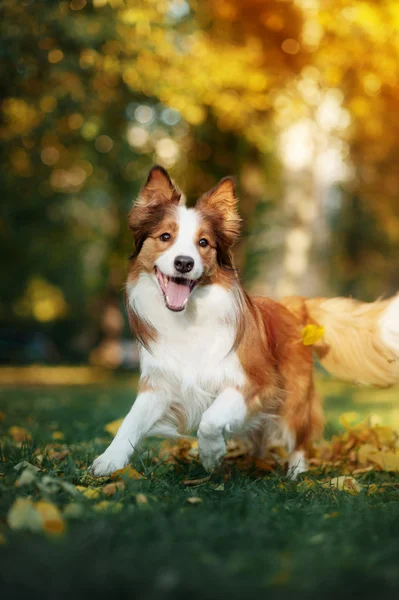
<point x="312" y="334"/>
<point x="35" y="516"/>
<point x="113" y="426"/>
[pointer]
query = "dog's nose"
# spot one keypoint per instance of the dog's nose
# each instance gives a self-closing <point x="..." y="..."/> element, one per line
<point x="184" y="264"/>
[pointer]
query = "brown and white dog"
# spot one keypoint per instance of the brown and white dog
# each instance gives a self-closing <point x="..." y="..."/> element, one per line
<point x="216" y="360"/>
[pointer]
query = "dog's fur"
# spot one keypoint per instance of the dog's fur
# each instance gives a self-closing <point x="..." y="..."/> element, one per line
<point x="216" y="360"/>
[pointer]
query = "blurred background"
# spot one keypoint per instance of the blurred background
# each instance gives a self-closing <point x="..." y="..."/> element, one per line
<point x="299" y="100"/>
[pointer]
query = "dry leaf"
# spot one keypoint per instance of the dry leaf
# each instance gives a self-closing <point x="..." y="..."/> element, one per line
<point x="89" y="492"/>
<point x="57" y="435"/>
<point x="194" y="482"/>
<point x="312" y="334"/>
<point x="113" y="427"/>
<point x="19" y="434"/>
<point x="344" y="483"/>
<point x="52" y="519"/>
<point x="141" y="499"/>
<point x="35" y="516"/>
<point x="194" y="500"/>
<point x="127" y="471"/>
<point x="107" y="505"/>
<point x="388" y="461"/>
<point x="22" y="515"/>
<point x="111" y="488"/>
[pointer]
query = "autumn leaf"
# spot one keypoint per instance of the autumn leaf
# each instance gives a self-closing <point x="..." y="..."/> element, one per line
<point x="19" y="434"/>
<point x="344" y="483"/>
<point x="113" y="426"/>
<point x="105" y="505"/>
<point x="388" y="461"/>
<point x="57" y="435"/>
<point x="312" y="334"/>
<point x="141" y="499"/>
<point x="111" y="488"/>
<point x="35" y="516"/>
<point x="128" y="472"/>
<point x="89" y="492"/>
<point x="194" y="500"/>
<point x="53" y="521"/>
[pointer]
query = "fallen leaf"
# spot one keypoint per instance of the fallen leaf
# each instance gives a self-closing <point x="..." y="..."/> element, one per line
<point x="53" y="522"/>
<point x="312" y="334"/>
<point x="26" y="478"/>
<point x="127" y="471"/>
<point x="388" y="461"/>
<point x="73" y="510"/>
<point x="194" y="500"/>
<point x="111" y="488"/>
<point x="57" y="435"/>
<point x="194" y="482"/>
<point x="89" y="492"/>
<point x="141" y="499"/>
<point x="344" y="483"/>
<point x="107" y="505"/>
<point x="22" y="515"/>
<point x="19" y="434"/>
<point x="113" y="426"/>
<point x="35" y="516"/>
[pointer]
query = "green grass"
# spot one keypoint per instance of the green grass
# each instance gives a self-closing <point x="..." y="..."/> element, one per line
<point x="255" y="538"/>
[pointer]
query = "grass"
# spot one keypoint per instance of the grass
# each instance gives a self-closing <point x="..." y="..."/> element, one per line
<point x="247" y="538"/>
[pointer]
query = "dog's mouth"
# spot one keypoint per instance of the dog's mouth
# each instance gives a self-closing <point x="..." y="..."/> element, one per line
<point x="176" y="290"/>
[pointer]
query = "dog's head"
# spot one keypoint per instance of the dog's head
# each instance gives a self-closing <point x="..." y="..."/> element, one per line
<point x="183" y="248"/>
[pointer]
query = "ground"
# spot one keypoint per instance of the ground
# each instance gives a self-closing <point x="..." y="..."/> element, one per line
<point x="237" y="535"/>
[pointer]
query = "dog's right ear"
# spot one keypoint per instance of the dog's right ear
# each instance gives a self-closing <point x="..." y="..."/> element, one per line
<point x="158" y="194"/>
<point x="158" y="189"/>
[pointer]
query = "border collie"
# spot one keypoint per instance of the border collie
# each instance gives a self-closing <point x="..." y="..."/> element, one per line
<point x="214" y="359"/>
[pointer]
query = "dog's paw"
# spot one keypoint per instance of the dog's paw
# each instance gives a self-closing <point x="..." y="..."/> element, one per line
<point x="211" y="451"/>
<point x="109" y="462"/>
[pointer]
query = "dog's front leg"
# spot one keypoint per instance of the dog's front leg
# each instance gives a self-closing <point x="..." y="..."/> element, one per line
<point x="148" y="408"/>
<point x="226" y="415"/>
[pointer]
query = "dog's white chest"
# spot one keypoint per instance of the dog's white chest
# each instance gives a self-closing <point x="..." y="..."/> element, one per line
<point x="193" y="358"/>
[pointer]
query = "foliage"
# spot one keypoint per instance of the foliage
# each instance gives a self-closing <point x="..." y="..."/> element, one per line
<point x="96" y="91"/>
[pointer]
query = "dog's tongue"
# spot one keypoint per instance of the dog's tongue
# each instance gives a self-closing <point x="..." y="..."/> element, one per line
<point x="177" y="294"/>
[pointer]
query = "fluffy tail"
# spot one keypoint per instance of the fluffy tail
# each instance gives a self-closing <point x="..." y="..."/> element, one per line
<point x="361" y="340"/>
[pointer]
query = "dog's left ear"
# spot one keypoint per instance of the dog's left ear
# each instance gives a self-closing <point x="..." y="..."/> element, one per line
<point x="221" y="202"/>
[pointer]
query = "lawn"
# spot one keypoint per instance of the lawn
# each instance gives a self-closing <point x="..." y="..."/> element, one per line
<point x="238" y="535"/>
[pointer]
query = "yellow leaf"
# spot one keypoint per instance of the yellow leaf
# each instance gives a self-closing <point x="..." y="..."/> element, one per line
<point x="128" y="471"/>
<point x="106" y="504"/>
<point x="19" y="434"/>
<point x="347" y="418"/>
<point x="194" y="500"/>
<point x="52" y="519"/>
<point x="344" y="483"/>
<point x="113" y="427"/>
<point x="389" y="461"/>
<point x="89" y="492"/>
<point x="141" y="499"/>
<point x="73" y="510"/>
<point x="57" y="435"/>
<point x="22" y="515"/>
<point x="365" y="453"/>
<point x="312" y="334"/>
<point x="37" y="516"/>
<point x="111" y="488"/>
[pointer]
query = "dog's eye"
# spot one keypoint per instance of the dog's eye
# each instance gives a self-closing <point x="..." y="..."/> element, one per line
<point x="165" y="237"/>
<point x="203" y="243"/>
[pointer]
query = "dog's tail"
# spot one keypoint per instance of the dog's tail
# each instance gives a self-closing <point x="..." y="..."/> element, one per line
<point x="361" y="340"/>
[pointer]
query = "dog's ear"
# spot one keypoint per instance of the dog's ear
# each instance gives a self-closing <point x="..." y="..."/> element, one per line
<point x="158" y="189"/>
<point x="155" y="197"/>
<point x="221" y="204"/>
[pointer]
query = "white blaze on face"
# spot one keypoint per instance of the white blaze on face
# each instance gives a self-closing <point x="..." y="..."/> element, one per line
<point x="177" y="286"/>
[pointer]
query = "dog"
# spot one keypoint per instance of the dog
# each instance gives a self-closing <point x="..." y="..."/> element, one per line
<point x="215" y="359"/>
